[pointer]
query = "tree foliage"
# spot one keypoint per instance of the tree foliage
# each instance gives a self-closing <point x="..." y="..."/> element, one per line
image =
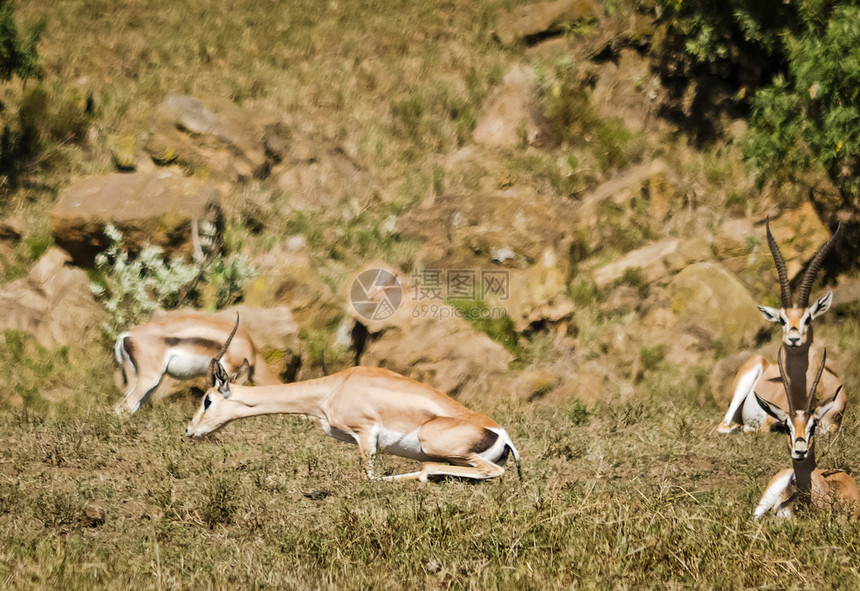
<point x="792" y="65"/>
<point x="810" y="114"/>
<point x="18" y="54"/>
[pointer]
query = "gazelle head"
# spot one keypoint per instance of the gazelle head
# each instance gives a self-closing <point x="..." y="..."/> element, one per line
<point x="800" y="423"/>
<point x="796" y="319"/>
<point x="212" y="413"/>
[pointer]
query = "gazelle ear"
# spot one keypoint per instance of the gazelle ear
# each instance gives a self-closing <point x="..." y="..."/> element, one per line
<point x="243" y="374"/>
<point x="217" y="378"/>
<point x="770" y="314"/>
<point x="772" y="410"/>
<point x="826" y="406"/>
<point x="821" y="305"/>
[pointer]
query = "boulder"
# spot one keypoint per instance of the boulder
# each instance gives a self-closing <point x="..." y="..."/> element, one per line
<point x="741" y="245"/>
<point x="313" y="173"/>
<point x="510" y="118"/>
<point x="654" y="182"/>
<point x="504" y="219"/>
<point x="539" y="294"/>
<point x="53" y="303"/>
<point x="215" y="136"/>
<point x="710" y="304"/>
<point x="429" y="341"/>
<point x="626" y="88"/>
<point x="649" y="260"/>
<point x="444" y="351"/>
<point x="148" y="208"/>
<point x="285" y="276"/>
<point x="11" y="232"/>
<point x="532" y="20"/>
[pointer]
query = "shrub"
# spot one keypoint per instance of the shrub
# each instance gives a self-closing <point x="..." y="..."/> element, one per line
<point x="810" y="115"/>
<point x="131" y="289"/>
<point x="19" y="57"/>
<point x="795" y="67"/>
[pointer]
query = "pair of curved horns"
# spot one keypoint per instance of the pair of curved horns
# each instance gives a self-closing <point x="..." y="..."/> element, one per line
<point x="808" y="277"/>
<point x="810" y="396"/>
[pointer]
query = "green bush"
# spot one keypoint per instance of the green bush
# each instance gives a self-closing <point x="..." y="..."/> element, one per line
<point x="795" y="66"/>
<point x="131" y="289"/>
<point x="810" y="115"/>
<point x="18" y="54"/>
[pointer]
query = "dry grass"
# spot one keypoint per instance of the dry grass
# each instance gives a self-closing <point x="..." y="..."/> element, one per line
<point x="616" y="495"/>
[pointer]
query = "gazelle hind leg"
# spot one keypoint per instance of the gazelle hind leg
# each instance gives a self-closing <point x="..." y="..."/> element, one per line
<point x="458" y="442"/>
<point x="481" y="471"/>
<point x="367" y="449"/>
<point x="137" y="394"/>
<point x="744" y="385"/>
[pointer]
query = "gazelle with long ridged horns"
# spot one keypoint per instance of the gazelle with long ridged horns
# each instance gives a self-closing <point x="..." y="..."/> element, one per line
<point x="181" y="345"/>
<point x="804" y="483"/>
<point x="761" y="375"/>
<point x="377" y="409"/>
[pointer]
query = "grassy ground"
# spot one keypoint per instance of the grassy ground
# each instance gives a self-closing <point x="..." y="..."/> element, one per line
<point x="630" y="494"/>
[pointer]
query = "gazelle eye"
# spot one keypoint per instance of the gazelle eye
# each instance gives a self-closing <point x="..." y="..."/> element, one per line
<point x="207" y="401"/>
<point x="781" y="321"/>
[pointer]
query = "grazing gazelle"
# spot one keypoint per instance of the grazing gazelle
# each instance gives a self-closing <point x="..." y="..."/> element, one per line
<point x="181" y="345"/>
<point x="805" y="483"/>
<point x="377" y="409"/>
<point x="761" y="375"/>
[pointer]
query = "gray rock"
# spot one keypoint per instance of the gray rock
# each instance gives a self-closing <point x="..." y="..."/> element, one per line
<point x="148" y="208"/>
<point x="215" y="136"/>
<point x="53" y="303"/>
<point x="535" y="19"/>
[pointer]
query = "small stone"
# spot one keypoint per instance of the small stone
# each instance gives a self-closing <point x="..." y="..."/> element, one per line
<point x="93" y="514"/>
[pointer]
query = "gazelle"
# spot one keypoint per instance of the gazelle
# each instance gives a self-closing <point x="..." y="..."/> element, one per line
<point x="759" y="374"/>
<point x="804" y="482"/>
<point x="181" y="345"/>
<point x="377" y="409"/>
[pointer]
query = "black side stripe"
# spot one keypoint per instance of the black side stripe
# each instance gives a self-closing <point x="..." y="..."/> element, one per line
<point x="198" y="341"/>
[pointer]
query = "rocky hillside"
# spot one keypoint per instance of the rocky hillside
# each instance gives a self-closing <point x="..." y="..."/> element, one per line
<point x="554" y="237"/>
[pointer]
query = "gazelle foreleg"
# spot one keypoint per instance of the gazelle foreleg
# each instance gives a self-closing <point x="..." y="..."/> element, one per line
<point x="777" y="496"/>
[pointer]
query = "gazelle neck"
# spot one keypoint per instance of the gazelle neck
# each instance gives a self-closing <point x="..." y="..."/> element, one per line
<point x="796" y="367"/>
<point x="803" y="470"/>
<point x="302" y="398"/>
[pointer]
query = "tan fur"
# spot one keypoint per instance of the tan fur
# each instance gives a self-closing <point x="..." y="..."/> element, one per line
<point x="150" y="342"/>
<point x="831" y="490"/>
<point x="370" y="406"/>
<point x="769" y="387"/>
<point x="805" y="482"/>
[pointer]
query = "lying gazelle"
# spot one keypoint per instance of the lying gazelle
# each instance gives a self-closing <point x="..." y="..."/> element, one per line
<point x="181" y="345"/>
<point x="805" y="483"/>
<point x="377" y="409"/>
<point x="761" y="375"/>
